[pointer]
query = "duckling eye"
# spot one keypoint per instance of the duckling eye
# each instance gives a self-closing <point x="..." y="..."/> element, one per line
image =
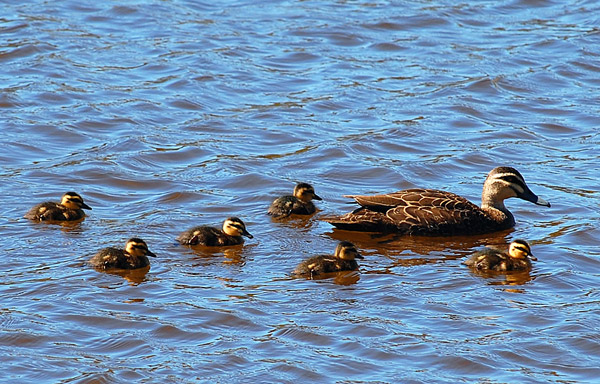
<point x="523" y="249"/>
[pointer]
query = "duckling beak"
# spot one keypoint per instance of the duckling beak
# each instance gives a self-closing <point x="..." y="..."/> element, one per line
<point x="247" y="234"/>
<point x="85" y="206"/>
<point x="150" y="253"/>
<point x="316" y="197"/>
<point x="532" y="197"/>
<point x="532" y="257"/>
<point x="359" y="256"/>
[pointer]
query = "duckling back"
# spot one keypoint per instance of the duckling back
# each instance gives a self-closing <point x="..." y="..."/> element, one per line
<point x="317" y="265"/>
<point x="50" y="211"/>
<point x="208" y="236"/>
<point x="286" y="205"/>
<point x="69" y="209"/>
<point x="112" y="257"/>
<point x="344" y="259"/>
<point x="495" y="260"/>
<point x="132" y="257"/>
<point x="300" y="203"/>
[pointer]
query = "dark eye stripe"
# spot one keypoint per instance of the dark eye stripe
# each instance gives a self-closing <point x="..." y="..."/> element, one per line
<point x="523" y="249"/>
<point x="513" y="180"/>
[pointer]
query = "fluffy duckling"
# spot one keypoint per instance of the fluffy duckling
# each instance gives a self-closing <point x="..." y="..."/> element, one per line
<point x="132" y="257"/>
<point x="231" y="234"/>
<point x="300" y="203"/>
<point x="70" y="208"/>
<point x="517" y="258"/>
<point x="344" y="259"/>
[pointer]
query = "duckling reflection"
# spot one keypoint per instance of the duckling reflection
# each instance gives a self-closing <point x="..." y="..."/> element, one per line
<point x="299" y="204"/>
<point x="132" y="257"/>
<point x="343" y="259"/>
<point x="70" y="208"/>
<point x="230" y="255"/>
<point x="231" y="234"/>
<point x="133" y="276"/>
<point x="518" y="258"/>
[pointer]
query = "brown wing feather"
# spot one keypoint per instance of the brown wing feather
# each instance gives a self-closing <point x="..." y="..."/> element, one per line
<point x="415" y="211"/>
<point x="431" y="211"/>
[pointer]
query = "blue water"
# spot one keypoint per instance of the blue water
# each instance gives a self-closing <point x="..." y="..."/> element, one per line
<point x="168" y="114"/>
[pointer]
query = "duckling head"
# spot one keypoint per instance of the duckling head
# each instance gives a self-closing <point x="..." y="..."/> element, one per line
<point x="72" y="200"/>
<point x="305" y="192"/>
<point x="345" y="250"/>
<point x="520" y="249"/>
<point x="138" y="247"/>
<point x="505" y="182"/>
<point x="233" y="226"/>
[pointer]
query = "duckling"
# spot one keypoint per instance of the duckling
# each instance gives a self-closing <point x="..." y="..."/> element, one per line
<point x="432" y="212"/>
<point x="132" y="257"/>
<point x="231" y="234"/>
<point x="70" y="208"/>
<point x="299" y="204"/>
<point x="518" y="258"/>
<point x="344" y="259"/>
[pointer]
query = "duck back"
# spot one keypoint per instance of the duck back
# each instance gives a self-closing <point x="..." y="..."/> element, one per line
<point x="419" y="212"/>
<point x="209" y="236"/>
<point x="286" y="205"/>
<point x="50" y="211"/>
<point x="495" y="260"/>
<point x="317" y="265"/>
<point x="112" y="257"/>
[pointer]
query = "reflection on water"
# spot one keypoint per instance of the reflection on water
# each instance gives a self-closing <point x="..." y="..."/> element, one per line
<point x="339" y="278"/>
<point x="232" y="254"/>
<point x="505" y="278"/>
<point x="166" y="114"/>
<point x="133" y="276"/>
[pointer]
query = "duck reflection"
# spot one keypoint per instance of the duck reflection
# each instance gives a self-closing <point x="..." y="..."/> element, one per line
<point x="232" y="254"/>
<point x="339" y="278"/>
<point x="133" y="276"/>
<point x="443" y="247"/>
<point x="511" y="278"/>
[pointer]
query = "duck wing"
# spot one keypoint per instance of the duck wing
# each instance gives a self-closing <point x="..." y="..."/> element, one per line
<point x="413" y="211"/>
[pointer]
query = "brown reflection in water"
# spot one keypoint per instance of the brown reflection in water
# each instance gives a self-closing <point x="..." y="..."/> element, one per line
<point x="65" y="226"/>
<point x="505" y="278"/>
<point x="233" y="254"/>
<point x="296" y="221"/>
<point x="408" y="251"/>
<point x="438" y="247"/>
<point x="133" y="276"/>
<point x="339" y="278"/>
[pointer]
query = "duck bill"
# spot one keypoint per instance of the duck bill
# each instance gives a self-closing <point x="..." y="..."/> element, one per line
<point x="531" y="257"/>
<point x="85" y="206"/>
<point x="359" y="256"/>
<point x="532" y="197"/>
<point x="248" y="235"/>
<point x="149" y="253"/>
<point x="316" y="197"/>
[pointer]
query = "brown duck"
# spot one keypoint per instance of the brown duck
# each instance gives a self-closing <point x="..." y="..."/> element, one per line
<point x="432" y="212"/>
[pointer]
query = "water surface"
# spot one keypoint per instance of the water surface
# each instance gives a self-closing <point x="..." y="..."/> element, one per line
<point x="168" y="114"/>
